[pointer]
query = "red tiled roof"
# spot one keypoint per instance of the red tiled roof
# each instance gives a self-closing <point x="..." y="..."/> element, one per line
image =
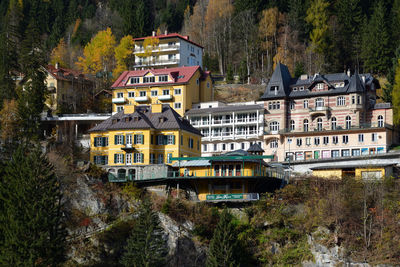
<point x="169" y="35"/>
<point x="65" y="72"/>
<point x="179" y="74"/>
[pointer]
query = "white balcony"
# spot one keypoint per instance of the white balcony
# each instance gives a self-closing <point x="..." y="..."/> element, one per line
<point x="119" y="100"/>
<point x="141" y="98"/>
<point x="164" y="97"/>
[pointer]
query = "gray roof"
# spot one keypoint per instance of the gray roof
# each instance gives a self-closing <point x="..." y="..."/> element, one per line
<point x="192" y="163"/>
<point x="351" y="84"/>
<point x="334" y="167"/>
<point x="143" y="118"/>
<point x="255" y="148"/>
<point x="231" y="108"/>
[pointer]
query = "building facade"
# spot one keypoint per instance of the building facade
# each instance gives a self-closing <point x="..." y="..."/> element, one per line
<point x="67" y="89"/>
<point x="178" y="87"/>
<point x="325" y="116"/>
<point x="228" y="127"/>
<point x="171" y="50"/>
<point x="138" y="138"/>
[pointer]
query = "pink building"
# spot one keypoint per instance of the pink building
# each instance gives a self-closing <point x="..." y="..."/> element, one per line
<point x="325" y="116"/>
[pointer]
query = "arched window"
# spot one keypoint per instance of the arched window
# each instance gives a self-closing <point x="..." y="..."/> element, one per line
<point x="380" y="121"/>
<point x="292" y="125"/>
<point x="274" y="126"/>
<point x="305" y="125"/>
<point x="319" y="124"/>
<point x="319" y="102"/>
<point x="333" y="120"/>
<point x="273" y="143"/>
<point x="348" y="122"/>
<point x="121" y="173"/>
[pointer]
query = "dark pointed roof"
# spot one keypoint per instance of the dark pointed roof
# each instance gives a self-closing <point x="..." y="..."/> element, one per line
<point x="355" y="84"/>
<point x="255" y="148"/>
<point x="143" y="118"/>
<point x="281" y="78"/>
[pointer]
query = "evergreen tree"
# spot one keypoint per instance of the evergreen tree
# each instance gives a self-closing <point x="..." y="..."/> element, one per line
<point x="396" y="95"/>
<point x="376" y="51"/>
<point x="31" y="224"/>
<point x="224" y="246"/>
<point x="146" y="245"/>
<point x="387" y="90"/>
<point x="229" y="74"/>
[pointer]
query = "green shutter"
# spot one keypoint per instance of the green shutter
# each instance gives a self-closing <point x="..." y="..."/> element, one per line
<point x="115" y="158"/>
<point x="95" y="141"/>
<point x="142" y="139"/>
<point x="157" y="139"/>
<point x="142" y="157"/>
<point x="165" y="139"/>
<point x="115" y="139"/>
<point x="123" y="141"/>
<point x="135" y="139"/>
<point x="134" y="157"/>
<point x="123" y="158"/>
<point x="173" y="139"/>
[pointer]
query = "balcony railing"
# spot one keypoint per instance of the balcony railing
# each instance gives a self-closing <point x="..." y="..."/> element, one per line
<point x="156" y="62"/>
<point x="164" y="97"/>
<point x="141" y="98"/>
<point x="119" y="100"/>
<point x="158" y="48"/>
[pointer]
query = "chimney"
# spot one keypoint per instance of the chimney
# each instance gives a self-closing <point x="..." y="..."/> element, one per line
<point x="348" y="72"/>
<point x="156" y="108"/>
<point x="57" y="65"/>
<point x="166" y="32"/>
<point x="153" y="33"/>
<point x="129" y="109"/>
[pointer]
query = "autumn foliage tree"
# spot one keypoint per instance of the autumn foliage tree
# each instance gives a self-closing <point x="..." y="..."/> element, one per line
<point x="124" y="55"/>
<point x="60" y="55"/>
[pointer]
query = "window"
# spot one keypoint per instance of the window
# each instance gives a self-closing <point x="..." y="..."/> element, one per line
<point x="345" y="152"/>
<point x="181" y="140"/>
<point x="289" y="140"/>
<point x="190" y="142"/>
<point x="274" y="89"/>
<point x="232" y="146"/>
<point x="299" y="141"/>
<point x="341" y="101"/>
<point x="353" y="99"/>
<point x="335" y="153"/>
<point x="333" y="123"/>
<point x="319" y="102"/>
<point x="138" y="139"/>
<point x="165" y="92"/>
<point x="374" y="137"/>
<point x="305" y="125"/>
<point x="197" y="81"/>
<point x="118" y="139"/>
<point x="355" y="152"/>
<point x="348" y="122"/>
<point x="242" y="145"/>
<point x="120" y="109"/>
<point x="320" y="86"/>
<point x="308" y="141"/>
<point x="131" y="94"/>
<point x="358" y="100"/>
<point x="215" y="147"/>
<point x="292" y="104"/>
<point x="142" y="93"/>
<point x="100" y="141"/>
<point x="134" y="80"/>
<point x="160" y="158"/>
<point x="129" y="139"/>
<point x="292" y="125"/>
<point x="294" y="89"/>
<point x="273" y="144"/>
<point x="223" y="147"/>
<point x="205" y="148"/>
<point x="305" y="104"/>
<point x="163" y="78"/>
<point x="128" y="157"/>
<point x="335" y="139"/>
<point x="326" y="140"/>
<point x="120" y="95"/>
<point x="345" y="139"/>
<point x="177" y="105"/>
<point x="118" y="158"/>
<point x="274" y="126"/>
<point x="361" y="138"/>
<point x="154" y="93"/>
<point x="319" y="124"/>
<point x="169" y="156"/>
<point x="316" y="141"/>
<point x="150" y="79"/>
<point x="101" y="160"/>
<point x="170" y="139"/>
<point x="178" y="91"/>
<point x="301" y="88"/>
<point x="380" y="121"/>
<point x="274" y="105"/>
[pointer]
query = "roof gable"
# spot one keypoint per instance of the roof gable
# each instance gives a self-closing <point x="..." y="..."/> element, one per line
<point x="278" y="85"/>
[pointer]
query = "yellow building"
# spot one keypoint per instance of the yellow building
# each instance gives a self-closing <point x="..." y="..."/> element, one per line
<point x="67" y="89"/>
<point x="360" y="171"/>
<point x="140" y="141"/>
<point x="178" y="87"/>
<point x="236" y="175"/>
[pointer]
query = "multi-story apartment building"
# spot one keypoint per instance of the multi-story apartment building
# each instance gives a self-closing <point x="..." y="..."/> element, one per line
<point x="67" y="89"/>
<point x="179" y="87"/>
<point x="173" y="50"/>
<point x="325" y="116"/>
<point x="228" y="127"/>
<point x="137" y="137"/>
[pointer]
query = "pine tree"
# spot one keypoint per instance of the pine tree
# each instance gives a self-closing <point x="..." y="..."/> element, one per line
<point x="224" y="246"/>
<point x="376" y="51"/>
<point x="31" y="224"/>
<point x="396" y="95"/>
<point x="388" y="88"/>
<point x="146" y="245"/>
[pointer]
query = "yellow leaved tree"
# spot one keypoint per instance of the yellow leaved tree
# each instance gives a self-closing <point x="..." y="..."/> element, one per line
<point x="150" y="48"/>
<point x="60" y="55"/>
<point x="124" y="55"/>
<point x="98" y="54"/>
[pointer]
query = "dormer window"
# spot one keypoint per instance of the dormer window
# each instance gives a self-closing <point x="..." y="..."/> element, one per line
<point x="301" y="88"/>
<point x="163" y="78"/>
<point x="274" y="89"/>
<point x="320" y="86"/>
<point x="295" y="89"/>
<point x="134" y="80"/>
<point x="150" y="79"/>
